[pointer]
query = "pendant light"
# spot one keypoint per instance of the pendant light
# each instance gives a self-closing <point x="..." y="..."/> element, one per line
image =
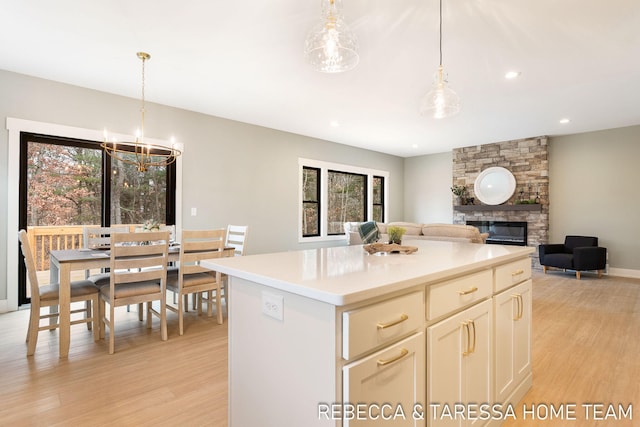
<point x="331" y="46"/>
<point x="139" y="153"/>
<point x="440" y="101"/>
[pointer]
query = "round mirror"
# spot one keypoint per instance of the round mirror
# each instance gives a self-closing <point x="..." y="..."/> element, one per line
<point x="494" y="186"/>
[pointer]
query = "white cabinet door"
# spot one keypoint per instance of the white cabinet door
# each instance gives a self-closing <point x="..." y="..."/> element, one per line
<point x="512" y="339"/>
<point x="459" y="367"/>
<point x="386" y="385"/>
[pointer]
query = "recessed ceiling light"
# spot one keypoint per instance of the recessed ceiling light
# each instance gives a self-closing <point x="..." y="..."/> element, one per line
<point x="334" y="123"/>
<point x="512" y="74"/>
<point x="414" y="146"/>
<point x="565" y="121"/>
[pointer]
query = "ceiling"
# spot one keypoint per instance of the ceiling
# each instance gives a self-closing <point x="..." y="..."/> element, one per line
<point x="243" y="60"/>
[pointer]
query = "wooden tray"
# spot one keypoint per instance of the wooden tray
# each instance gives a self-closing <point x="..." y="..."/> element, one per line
<point x="389" y="248"/>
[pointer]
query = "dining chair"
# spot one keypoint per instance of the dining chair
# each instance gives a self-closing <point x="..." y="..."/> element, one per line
<point x="237" y="238"/>
<point x="47" y="296"/>
<point x="95" y="237"/>
<point x="192" y="278"/>
<point x="138" y="274"/>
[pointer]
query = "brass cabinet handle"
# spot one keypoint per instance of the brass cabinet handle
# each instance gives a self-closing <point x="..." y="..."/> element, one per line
<point x="384" y="362"/>
<point x="468" y="291"/>
<point x="467" y="350"/>
<point x="517" y="272"/>
<point x="471" y="342"/>
<point x="520" y="306"/>
<point x="393" y="323"/>
<point x="473" y="347"/>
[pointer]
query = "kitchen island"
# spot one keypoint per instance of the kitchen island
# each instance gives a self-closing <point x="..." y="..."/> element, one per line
<point x="339" y="337"/>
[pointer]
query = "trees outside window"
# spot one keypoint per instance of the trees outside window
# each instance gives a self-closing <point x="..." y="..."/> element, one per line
<point x="67" y="183"/>
<point x="347" y="201"/>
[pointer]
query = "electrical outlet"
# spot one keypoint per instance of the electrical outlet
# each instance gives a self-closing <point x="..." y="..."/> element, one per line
<point x="273" y="305"/>
<point x="194" y="211"/>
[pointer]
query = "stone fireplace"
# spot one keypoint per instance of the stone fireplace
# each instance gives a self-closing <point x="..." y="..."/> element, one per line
<point x="527" y="159"/>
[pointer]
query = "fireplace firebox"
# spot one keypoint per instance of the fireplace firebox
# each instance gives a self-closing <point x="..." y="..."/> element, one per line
<point x="503" y="232"/>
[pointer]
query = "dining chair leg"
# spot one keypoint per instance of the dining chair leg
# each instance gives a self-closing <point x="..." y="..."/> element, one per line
<point x="34" y="325"/>
<point x="149" y="319"/>
<point x="112" y="338"/>
<point x="53" y="311"/>
<point x="219" y="304"/>
<point x="95" y="319"/>
<point x="186" y="303"/>
<point x="103" y="313"/>
<point x="140" y="311"/>
<point x="163" y="319"/>
<point x="87" y="314"/>
<point x="180" y="317"/>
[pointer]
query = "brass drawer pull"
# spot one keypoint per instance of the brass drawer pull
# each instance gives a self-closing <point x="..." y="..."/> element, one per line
<point x="393" y="323"/>
<point x="384" y="362"/>
<point x="517" y="273"/>
<point x="468" y="291"/>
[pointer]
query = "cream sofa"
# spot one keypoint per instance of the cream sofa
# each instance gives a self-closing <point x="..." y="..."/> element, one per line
<point x="414" y="231"/>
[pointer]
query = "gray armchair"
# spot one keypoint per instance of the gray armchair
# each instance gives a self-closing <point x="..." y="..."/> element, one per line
<point x="579" y="253"/>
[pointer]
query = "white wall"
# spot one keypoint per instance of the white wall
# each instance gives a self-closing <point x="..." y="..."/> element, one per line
<point x="232" y="172"/>
<point x="594" y="181"/>
<point x="427" y="188"/>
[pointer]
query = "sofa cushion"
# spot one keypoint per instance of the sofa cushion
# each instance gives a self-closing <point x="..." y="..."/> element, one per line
<point x="453" y="231"/>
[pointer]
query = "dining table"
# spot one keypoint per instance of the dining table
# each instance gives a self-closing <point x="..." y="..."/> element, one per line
<point x="63" y="262"/>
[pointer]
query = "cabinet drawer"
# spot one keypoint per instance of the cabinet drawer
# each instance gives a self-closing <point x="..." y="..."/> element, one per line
<point x="449" y="296"/>
<point x="394" y="377"/>
<point x="512" y="273"/>
<point x="369" y="327"/>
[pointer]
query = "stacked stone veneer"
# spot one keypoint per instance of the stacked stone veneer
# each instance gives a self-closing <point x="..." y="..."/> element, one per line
<point x="527" y="159"/>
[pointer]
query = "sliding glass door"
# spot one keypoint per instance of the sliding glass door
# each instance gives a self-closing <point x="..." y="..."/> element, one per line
<point x="66" y="184"/>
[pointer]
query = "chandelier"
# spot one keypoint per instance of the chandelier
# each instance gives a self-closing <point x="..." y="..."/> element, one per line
<point x="331" y="46"/>
<point x="142" y="155"/>
<point x="441" y="101"/>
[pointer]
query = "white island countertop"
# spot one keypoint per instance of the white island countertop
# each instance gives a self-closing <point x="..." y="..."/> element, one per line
<point x="348" y="274"/>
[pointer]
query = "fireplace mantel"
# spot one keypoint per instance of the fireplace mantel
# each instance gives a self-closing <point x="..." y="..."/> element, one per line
<point x="485" y="208"/>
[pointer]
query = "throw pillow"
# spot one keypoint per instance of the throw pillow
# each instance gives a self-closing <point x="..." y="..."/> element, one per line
<point x="368" y="232"/>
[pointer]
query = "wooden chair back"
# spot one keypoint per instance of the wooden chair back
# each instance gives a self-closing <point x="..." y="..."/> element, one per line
<point x="197" y="245"/>
<point x="139" y="257"/>
<point x="96" y="237"/>
<point x="237" y="238"/>
<point x="30" y="263"/>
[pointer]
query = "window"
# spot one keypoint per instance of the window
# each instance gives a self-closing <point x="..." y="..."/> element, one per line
<point x="332" y="194"/>
<point x="66" y="183"/>
<point x="310" y="201"/>
<point x="378" y="198"/>
<point x="347" y="201"/>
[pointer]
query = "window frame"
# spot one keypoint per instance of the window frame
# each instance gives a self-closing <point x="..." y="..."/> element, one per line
<point x="324" y="168"/>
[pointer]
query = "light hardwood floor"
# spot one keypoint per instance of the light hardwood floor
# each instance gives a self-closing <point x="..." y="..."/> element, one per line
<point x="586" y="350"/>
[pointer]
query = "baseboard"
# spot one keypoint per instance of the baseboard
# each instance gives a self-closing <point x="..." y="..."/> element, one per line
<point x="4" y="306"/>
<point x="624" y="272"/>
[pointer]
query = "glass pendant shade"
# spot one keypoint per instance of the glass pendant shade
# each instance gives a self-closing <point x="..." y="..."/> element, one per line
<point x="331" y="46"/>
<point x="441" y="101"/>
